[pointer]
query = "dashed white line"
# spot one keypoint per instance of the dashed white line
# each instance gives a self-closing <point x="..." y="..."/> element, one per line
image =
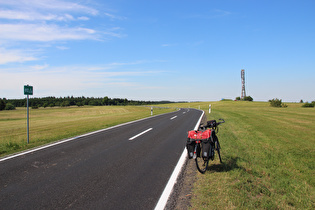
<point x="132" y="138"/>
<point x="173" y="117"/>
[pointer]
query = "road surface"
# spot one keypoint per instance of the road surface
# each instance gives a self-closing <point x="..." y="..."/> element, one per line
<point x="126" y="167"/>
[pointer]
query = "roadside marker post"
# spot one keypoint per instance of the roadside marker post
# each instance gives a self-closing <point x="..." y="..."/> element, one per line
<point x="151" y="110"/>
<point x="28" y="90"/>
<point x="209" y="108"/>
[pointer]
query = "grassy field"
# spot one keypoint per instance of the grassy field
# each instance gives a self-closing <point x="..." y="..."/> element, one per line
<point x="268" y="158"/>
<point x="51" y="124"/>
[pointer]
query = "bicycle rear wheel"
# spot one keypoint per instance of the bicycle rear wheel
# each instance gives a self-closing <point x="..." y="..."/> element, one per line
<point x="201" y="164"/>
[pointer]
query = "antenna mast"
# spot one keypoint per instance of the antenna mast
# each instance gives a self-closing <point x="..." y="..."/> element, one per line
<point x="243" y="84"/>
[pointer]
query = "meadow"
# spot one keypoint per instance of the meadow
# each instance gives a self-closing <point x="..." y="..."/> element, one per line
<point x="268" y="158"/>
<point x="52" y="124"/>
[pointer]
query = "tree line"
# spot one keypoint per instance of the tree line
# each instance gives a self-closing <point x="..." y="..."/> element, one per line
<point x="9" y="104"/>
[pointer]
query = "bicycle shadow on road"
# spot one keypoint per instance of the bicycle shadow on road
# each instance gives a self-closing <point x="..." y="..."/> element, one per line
<point x="228" y="164"/>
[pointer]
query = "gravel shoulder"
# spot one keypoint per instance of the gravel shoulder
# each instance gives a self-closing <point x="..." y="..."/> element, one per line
<point x="182" y="192"/>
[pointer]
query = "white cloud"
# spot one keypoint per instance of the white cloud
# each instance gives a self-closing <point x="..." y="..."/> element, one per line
<point x="44" y="32"/>
<point x="51" y="5"/>
<point x="48" y="22"/>
<point x="10" y="56"/>
<point x="83" y="18"/>
<point x="114" y="17"/>
<point x="113" y="32"/>
<point x="33" y="16"/>
<point x="168" y="45"/>
<point x="128" y="63"/>
<point x="213" y="14"/>
<point x="62" y="47"/>
<point x="221" y="13"/>
<point x="39" y="67"/>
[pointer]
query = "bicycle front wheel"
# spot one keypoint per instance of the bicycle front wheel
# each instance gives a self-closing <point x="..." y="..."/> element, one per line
<point x="201" y="163"/>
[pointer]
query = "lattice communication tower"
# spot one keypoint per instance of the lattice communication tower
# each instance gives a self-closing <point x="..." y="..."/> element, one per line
<point x="243" y="95"/>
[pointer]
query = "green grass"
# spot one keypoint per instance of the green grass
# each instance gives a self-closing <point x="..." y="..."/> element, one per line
<point x="268" y="158"/>
<point x="52" y="124"/>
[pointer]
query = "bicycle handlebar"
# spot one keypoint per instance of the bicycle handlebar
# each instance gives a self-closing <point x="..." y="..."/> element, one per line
<point x="213" y="123"/>
<point x="223" y="121"/>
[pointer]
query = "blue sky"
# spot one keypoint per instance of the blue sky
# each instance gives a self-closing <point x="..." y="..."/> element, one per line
<point x="178" y="50"/>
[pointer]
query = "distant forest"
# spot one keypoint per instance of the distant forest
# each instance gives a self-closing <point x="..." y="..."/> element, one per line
<point x="72" y="101"/>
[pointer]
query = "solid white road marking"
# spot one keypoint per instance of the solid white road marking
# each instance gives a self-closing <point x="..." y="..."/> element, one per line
<point x="132" y="138"/>
<point x="173" y="117"/>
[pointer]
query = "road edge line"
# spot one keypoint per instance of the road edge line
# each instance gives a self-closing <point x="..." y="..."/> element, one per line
<point x="173" y="179"/>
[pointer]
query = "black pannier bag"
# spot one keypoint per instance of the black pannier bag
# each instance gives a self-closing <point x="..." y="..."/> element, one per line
<point x="206" y="146"/>
<point x="190" y="145"/>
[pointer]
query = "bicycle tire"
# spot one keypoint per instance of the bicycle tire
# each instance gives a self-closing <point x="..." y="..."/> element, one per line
<point x="202" y="165"/>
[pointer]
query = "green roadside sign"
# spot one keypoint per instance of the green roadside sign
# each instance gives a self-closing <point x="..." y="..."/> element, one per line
<point x="28" y="90"/>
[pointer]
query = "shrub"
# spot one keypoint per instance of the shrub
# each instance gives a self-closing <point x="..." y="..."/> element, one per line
<point x="65" y="104"/>
<point x="79" y="104"/>
<point x="45" y="104"/>
<point x="276" y="102"/>
<point x="9" y="106"/>
<point x="248" y="98"/>
<point x="308" y="104"/>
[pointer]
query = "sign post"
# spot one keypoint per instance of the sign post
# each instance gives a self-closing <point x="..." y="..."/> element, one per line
<point x="28" y="90"/>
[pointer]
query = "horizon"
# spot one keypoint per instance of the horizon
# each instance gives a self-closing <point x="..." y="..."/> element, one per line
<point x="222" y="99"/>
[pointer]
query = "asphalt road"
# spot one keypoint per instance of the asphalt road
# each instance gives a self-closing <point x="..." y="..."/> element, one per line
<point x="126" y="167"/>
